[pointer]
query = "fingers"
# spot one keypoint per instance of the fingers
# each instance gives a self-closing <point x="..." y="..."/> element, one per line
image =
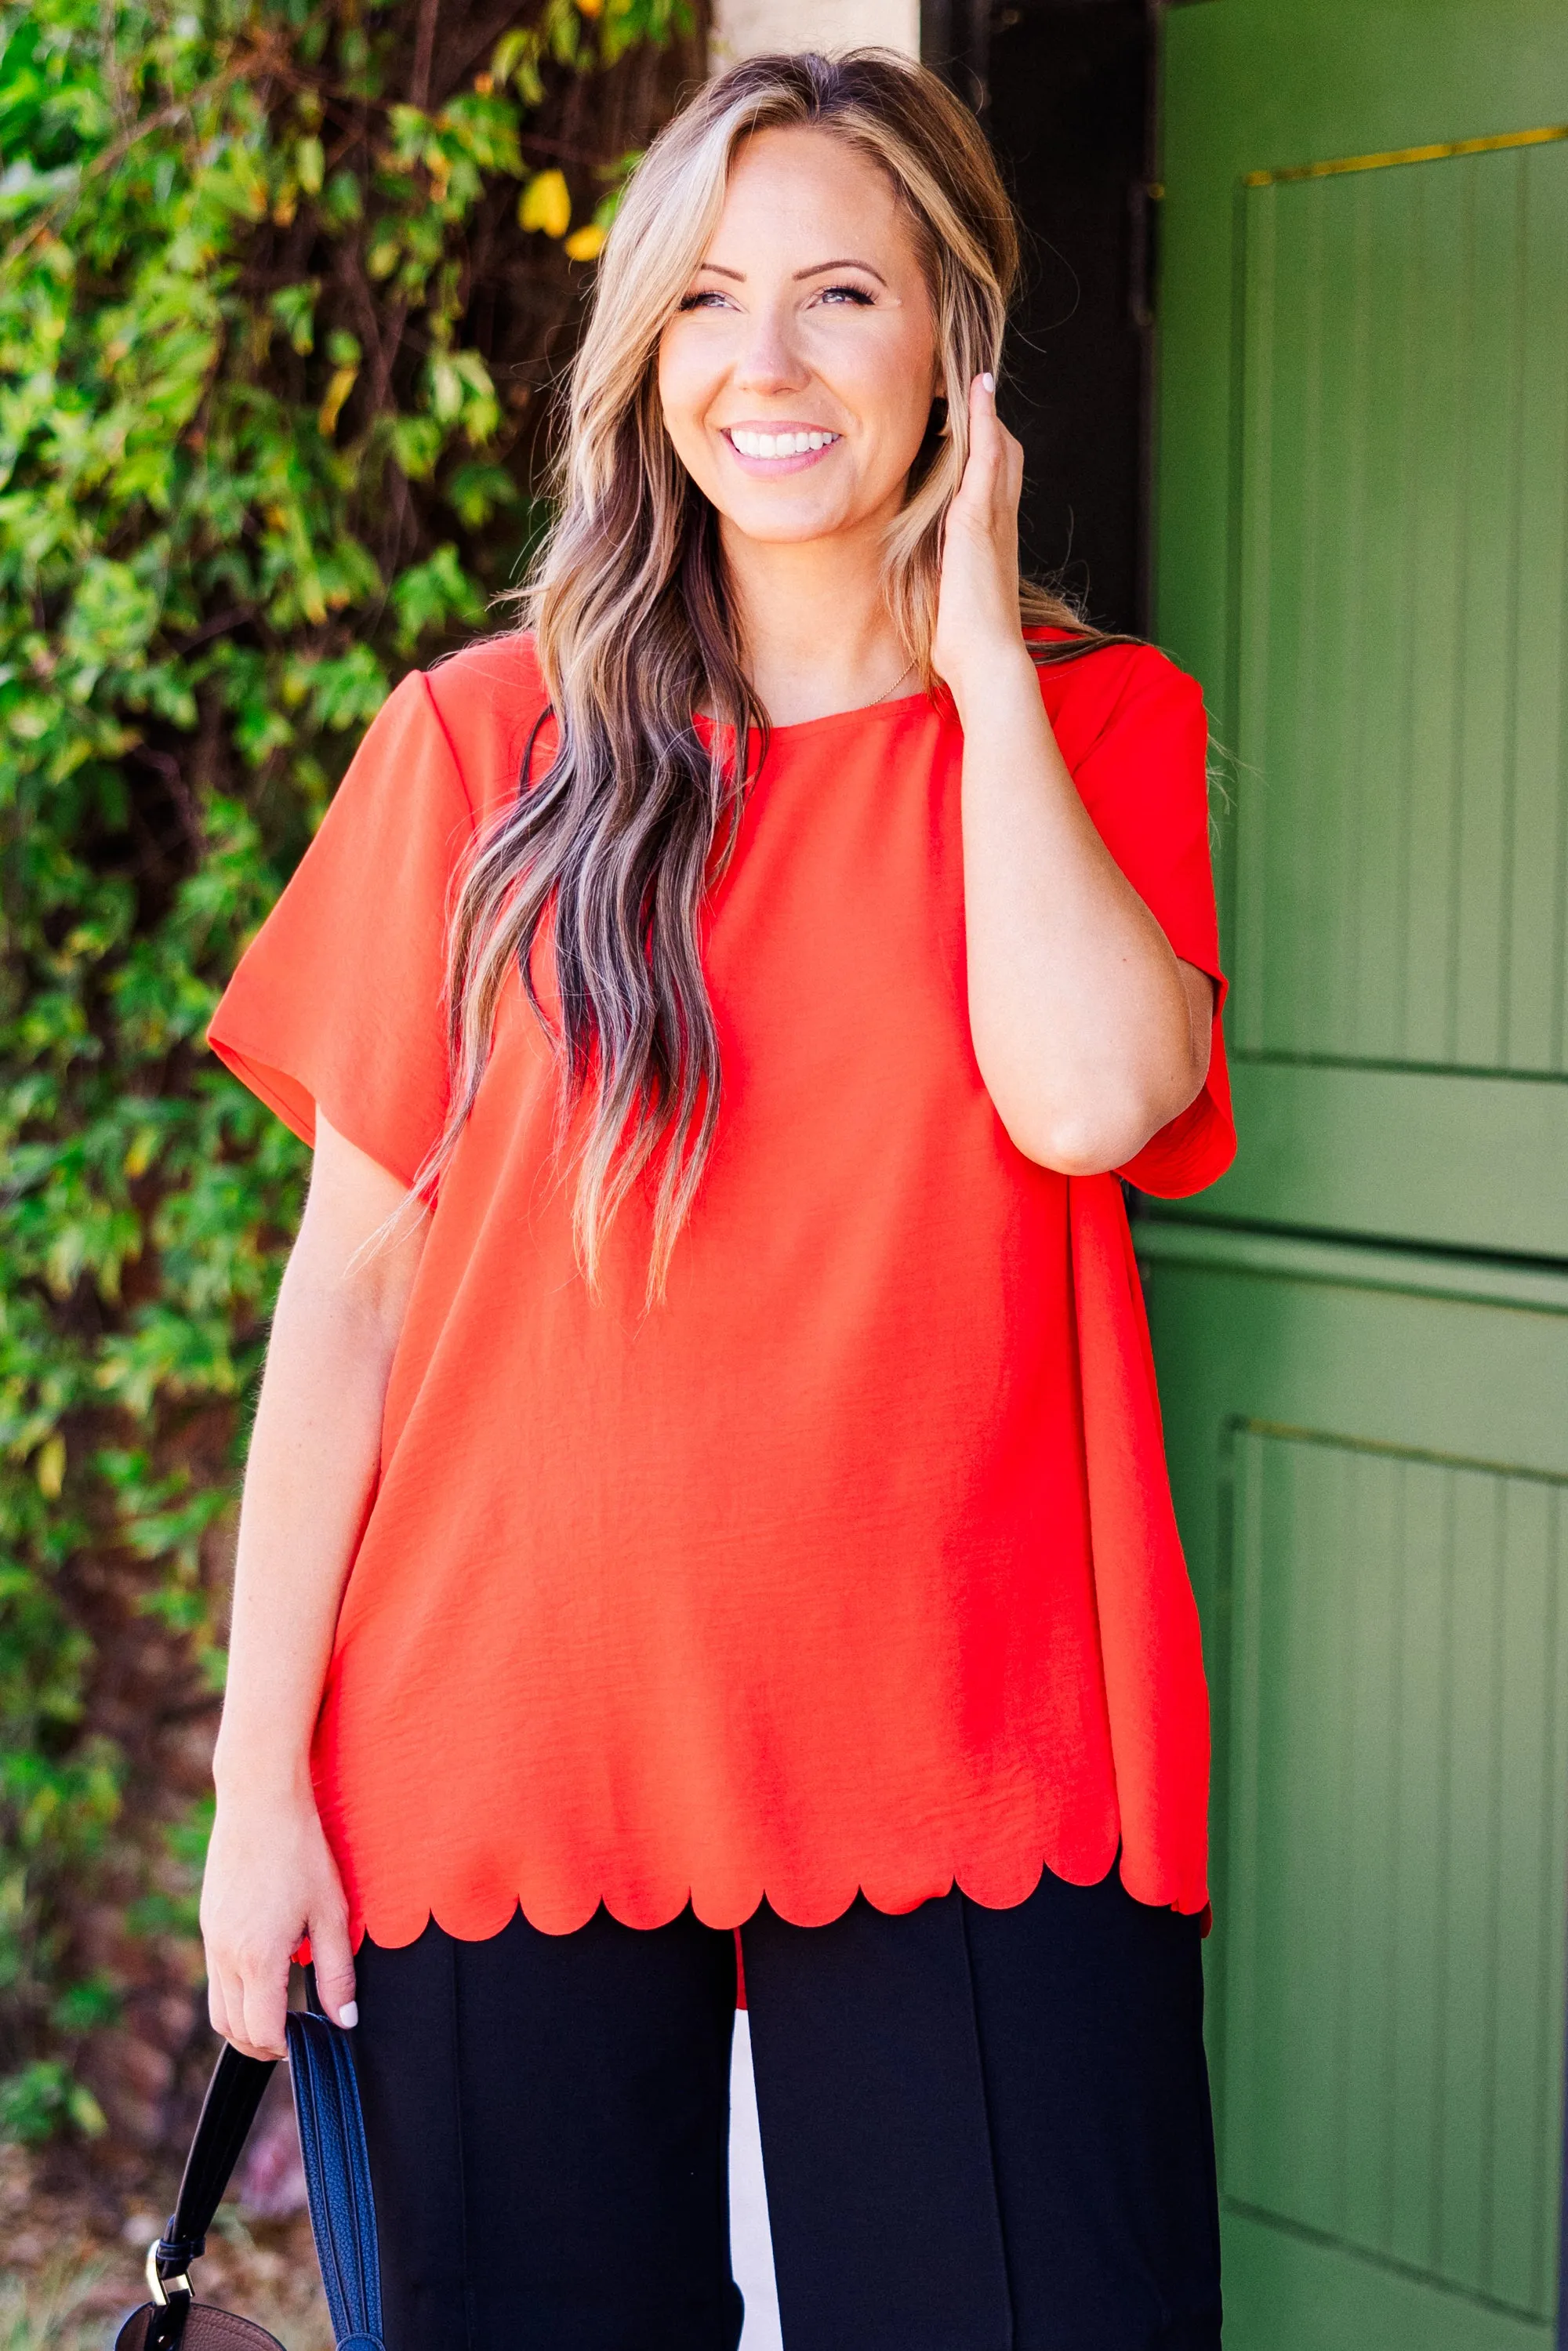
<point x="217" y="2004"/>
<point x="270" y="1880"/>
<point x="993" y="473"/>
<point x="248" y="2012"/>
<point x="248" y="1980"/>
<point x="248" y="2001"/>
<point x="985" y="435"/>
<point x="334" y="1964"/>
<point x="265" y="2004"/>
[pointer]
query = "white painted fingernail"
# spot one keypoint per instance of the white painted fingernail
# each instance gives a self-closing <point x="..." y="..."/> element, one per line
<point x="349" y="2015"/>
<point x="989" y="380"/>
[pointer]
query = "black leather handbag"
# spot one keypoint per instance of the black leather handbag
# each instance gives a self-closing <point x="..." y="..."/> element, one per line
<point x="337" y="2178"/>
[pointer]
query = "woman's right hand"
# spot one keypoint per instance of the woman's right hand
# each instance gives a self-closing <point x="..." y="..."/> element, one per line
<point x="271" y="1881"/>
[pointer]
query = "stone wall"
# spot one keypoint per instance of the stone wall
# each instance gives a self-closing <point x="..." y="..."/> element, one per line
<point x="740" y="29"/>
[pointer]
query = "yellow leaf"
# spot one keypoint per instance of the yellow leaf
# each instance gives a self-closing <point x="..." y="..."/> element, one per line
<point x="139" y="1155"/>
<point x="343" y="382"/>
<point x="547" y="204"/>
<point x="310" y="164"/>
<point x="85" y="2112"/>
<point x="51" y="1466"/>
<point x="586" y="243"/>
<point x="591" y="8"/>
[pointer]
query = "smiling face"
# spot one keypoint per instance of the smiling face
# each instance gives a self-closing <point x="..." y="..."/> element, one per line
<point x="798" y="375"/>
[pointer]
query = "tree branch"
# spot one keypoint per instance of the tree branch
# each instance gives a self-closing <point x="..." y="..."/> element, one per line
<point x="423" y="53"/>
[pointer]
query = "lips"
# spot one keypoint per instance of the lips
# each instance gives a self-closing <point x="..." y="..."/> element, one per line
<point x="767" y="452"/>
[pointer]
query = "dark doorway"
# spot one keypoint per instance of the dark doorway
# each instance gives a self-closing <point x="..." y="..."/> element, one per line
<point x="1064" y="89"/>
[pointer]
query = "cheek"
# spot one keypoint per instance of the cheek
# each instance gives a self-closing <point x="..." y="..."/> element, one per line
<point x="892" y="387"/>
<point x="685" y="393"/>
<point x="898" y="401"/>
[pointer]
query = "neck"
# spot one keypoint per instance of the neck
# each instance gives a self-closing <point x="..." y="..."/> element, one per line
<point x="815" y="624"/>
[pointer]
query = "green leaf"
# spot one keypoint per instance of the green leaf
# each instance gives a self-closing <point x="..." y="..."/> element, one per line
<point x="43" y="2100"/>
<point x="478" y="491"/>
<point x="510" y="52"/>
<point x="342" y="200"/>
<point x="417" y="443"/>
<point x="294" y="308"/>
<point x="87" y="2006"/>
<point x="430" y="596"/>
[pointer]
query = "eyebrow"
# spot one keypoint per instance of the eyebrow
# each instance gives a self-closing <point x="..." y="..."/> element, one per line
<point x="817" y="269"/>
<point x="848" y="262"/>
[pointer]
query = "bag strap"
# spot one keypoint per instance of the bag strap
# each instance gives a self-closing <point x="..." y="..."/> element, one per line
<point x="228" y="2111"/>
<point x="337" y="2178"/>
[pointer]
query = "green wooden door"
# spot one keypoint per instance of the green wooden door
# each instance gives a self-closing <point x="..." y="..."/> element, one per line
<point x="1369" y="1455"/>
<point x="1362" y="1332"/>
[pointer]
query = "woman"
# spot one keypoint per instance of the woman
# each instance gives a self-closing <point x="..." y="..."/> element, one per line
<point x="707" y="1473"/>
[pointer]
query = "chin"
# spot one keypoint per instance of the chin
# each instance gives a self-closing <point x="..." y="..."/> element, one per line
<point x="779" y="522"/>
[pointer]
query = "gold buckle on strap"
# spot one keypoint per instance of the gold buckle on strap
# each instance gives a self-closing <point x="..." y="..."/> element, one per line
<point x="159" y="2287"/>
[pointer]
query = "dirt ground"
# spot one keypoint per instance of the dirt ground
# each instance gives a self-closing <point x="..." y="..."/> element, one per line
<point x="72" y="2267"/>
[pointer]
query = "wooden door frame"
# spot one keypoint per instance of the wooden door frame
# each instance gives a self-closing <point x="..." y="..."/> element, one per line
<point x="955" y="37"/>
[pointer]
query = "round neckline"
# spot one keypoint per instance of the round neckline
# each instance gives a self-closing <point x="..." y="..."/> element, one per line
<point x="797" y="727"/>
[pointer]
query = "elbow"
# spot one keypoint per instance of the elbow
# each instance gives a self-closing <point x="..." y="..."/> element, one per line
<point x="1087" y="1105"/>
<point x="1074" y="1142"/>
<point x="1098" y="1129"/>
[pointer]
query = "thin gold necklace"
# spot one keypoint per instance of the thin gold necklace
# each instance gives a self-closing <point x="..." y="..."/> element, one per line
<point x="888" y="692"/>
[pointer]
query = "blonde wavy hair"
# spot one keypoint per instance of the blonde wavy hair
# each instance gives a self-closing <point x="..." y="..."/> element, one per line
<point x="603" y="861"/>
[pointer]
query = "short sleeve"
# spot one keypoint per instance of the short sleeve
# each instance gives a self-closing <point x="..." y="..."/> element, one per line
<point x="339" y="1000"/>
<point x="1145" y="781"/>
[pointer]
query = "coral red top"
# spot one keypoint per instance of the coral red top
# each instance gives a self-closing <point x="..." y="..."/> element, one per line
<point x="852" y="1563"/>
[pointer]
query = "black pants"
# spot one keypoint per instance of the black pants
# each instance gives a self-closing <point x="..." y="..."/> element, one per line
<point x="983" y="2131"/>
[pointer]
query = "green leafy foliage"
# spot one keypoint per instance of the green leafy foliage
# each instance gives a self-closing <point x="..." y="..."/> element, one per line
<point x="42" y="2098"/>
<point x="282" y="283"/>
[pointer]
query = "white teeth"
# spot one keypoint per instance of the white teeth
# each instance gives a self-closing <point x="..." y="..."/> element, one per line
<point x="779" y="445"/>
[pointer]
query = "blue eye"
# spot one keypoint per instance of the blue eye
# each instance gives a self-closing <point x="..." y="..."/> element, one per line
<point x="708" y="297"/>
<point x="855" y="294"/>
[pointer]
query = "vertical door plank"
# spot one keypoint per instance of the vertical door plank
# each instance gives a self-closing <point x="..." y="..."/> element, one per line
<point x="1395" y="1868"/>
<point x="1537" y="947"/>
<point x="1529" y="1957"/>
<point x="1425" y="1567"/>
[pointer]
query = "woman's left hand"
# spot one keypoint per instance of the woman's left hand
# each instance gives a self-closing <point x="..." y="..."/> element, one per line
<point x="977" y="606"/>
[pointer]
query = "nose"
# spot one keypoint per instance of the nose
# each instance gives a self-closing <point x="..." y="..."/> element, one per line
<point x="769" y="361"/>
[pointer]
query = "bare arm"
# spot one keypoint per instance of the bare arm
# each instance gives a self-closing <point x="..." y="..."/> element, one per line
<point x="270" y="1878"/>
<point x="1090" y="1033"/>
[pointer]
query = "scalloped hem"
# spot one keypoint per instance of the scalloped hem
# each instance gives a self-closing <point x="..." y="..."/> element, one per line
<point x="390" y="1928"/>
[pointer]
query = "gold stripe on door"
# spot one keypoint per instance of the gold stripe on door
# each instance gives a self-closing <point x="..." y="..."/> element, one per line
<point x="1543" y="137"/>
